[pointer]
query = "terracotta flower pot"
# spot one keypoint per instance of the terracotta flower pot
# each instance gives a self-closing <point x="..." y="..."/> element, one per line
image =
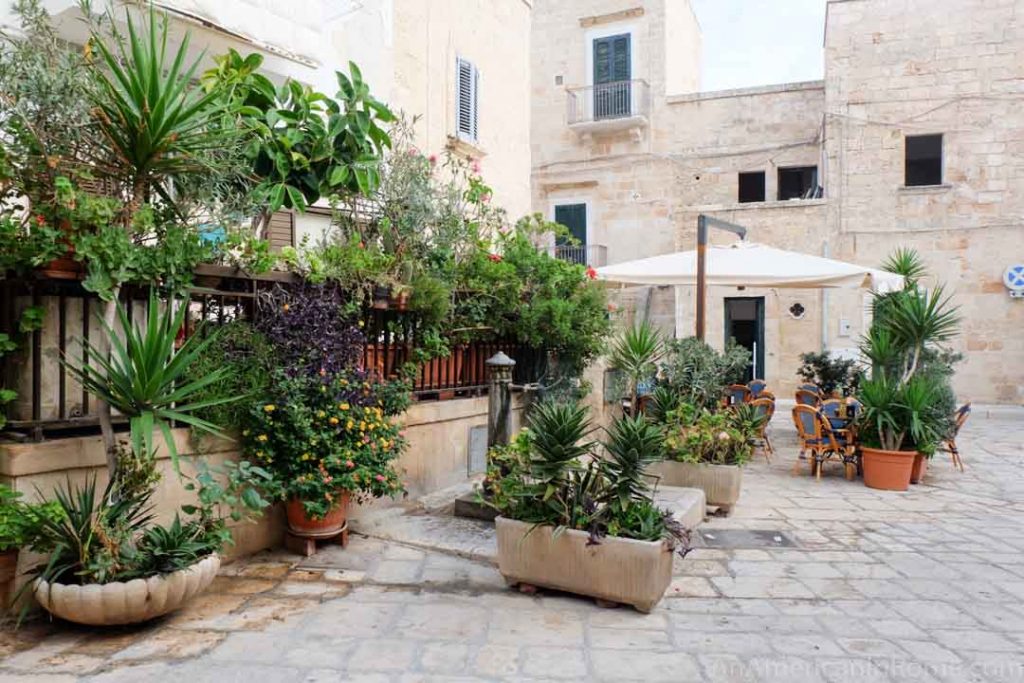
<point x="920" y="468"/>
<point x="300" y="524"/>
<point x="888" y="470"/>
<point x="8" y="572"/>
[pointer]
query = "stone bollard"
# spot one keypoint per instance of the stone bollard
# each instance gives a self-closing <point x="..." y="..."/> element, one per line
<point x="499" y="400"/>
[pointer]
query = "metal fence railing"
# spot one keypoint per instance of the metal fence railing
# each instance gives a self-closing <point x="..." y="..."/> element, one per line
<point x="49" y="400"/>
<point x="606" y="101"/>
<point x="594" y="255"/>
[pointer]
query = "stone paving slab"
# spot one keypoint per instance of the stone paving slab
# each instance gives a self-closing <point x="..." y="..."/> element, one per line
<point x="926" y="585"/>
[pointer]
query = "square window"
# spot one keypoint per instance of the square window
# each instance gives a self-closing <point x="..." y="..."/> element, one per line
<point x="923" y="156"/>
<point x="751" y="187"/>
<point x="798" y="182"/>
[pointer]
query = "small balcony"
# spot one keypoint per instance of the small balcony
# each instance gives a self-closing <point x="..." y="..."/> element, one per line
<point x="594" y="255"/>
<point x="610" y="108"/>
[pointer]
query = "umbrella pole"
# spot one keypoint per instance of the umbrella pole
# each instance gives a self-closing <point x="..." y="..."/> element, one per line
<point x="703" y="222"/>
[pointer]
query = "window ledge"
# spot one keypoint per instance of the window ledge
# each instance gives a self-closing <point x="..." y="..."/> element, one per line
<point x="465" y="148"/>
<point x="924" y="189"/>
<point x="775" y="204"/>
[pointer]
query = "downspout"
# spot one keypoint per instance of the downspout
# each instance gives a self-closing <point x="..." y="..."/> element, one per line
<point x="824" y="306"/>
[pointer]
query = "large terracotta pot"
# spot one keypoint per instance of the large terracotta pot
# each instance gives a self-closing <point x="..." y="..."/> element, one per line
<point x="920" y="469"/>
<point x="721" y="483"/>
<point x="301" y="524"/>
<point x="8" y="572"/>
<point x="616" y="569"/>
<point x="126" y="602"/>
<point x="887" y="470"/>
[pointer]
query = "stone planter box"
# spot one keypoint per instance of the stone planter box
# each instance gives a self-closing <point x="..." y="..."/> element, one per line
<point x="720" y="483"/>
<point x="126" y="602"/>
<point x="622" y="570"/>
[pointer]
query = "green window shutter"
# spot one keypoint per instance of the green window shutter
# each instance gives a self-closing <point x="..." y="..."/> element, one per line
<point x="574" y="217"/>
<point x="612" y="59"/>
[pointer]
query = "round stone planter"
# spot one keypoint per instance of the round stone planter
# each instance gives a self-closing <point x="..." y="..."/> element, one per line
<point x="126" y="602"/>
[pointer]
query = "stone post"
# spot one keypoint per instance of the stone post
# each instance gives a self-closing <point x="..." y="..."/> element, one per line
<point x="499" y="400"/>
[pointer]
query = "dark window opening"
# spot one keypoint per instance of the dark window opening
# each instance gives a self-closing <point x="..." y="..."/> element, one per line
<point x="573" y="217"/>
<point x="798" y="182"/>
<point x="752" y="187"/>
<point x="923" y="160"/>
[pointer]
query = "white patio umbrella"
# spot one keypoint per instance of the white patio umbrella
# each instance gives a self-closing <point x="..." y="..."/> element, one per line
<point x="747" y="264"/>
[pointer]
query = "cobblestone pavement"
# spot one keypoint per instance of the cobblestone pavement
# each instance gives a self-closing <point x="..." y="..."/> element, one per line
<point x="920" y="586"/>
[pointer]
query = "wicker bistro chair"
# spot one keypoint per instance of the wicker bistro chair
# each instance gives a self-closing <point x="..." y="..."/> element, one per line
<point x="813" y="388"/>
<point x="949" y="444"/>
<point x="808" y="398"/>
<point x="756" y="386"/>
<point x="770" y="395"/>
<point x="818" y="437"/>
<point x="765" y="407"/>
<point x="738" y="393"/>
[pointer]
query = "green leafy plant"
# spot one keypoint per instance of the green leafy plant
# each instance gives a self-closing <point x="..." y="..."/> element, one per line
<point x="228" y="493"/>
<point x="319" y="436"/>
<point x="551" y="476"/>
<point x="636" y="354"/>
<point x="908" y="398"/>
<point x="698" y="374"/>
<point x="830" y="373"/>
<point x="143" y="378"/>
<point x="21" y="523"/>
<point x="723" y="438"/>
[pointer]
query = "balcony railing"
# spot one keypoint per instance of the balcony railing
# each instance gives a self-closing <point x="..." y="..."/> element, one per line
<point x="594" y="255"/>
<point x="610" y="104"/>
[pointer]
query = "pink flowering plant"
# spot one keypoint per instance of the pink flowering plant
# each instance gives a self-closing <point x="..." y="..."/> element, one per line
<point x="320" y="436"/>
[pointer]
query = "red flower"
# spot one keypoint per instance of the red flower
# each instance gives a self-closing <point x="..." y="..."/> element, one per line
<point x="380" y="477"/>
<point x="349" y="464"/>
<point x="495" y="257"/>
<point x="432" y="159"/>
<point x="41" y="219"/>
<point x="591" y="273"/>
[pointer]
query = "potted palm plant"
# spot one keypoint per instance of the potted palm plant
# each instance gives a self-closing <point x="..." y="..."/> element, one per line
<point x="904" y="398"/>
<point x="572" y="521"/>
<point x="635" y="354"/>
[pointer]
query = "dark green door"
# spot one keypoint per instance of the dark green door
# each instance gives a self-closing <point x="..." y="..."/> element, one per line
<point x="612" y="74"/>
<point x="574" y="217"/>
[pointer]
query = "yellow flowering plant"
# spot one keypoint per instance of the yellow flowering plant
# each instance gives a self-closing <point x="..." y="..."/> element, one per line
<point x="326" y="434"/>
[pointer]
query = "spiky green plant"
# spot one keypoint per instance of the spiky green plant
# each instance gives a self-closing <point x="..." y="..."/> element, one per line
<point x="632" y="444"/>
<point x="145" y="377"/>
<point x="558" y="439"/>
<point x="157" y="122"/>
<point x="906" y="262"/>
<point x="636" y="354"/>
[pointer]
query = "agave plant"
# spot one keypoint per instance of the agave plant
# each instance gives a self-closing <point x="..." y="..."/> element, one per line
<point x="558" y="433"/>
<point x="636" y="354"/>
<point x="633" y="443"/>
<point x="144" y="377"/>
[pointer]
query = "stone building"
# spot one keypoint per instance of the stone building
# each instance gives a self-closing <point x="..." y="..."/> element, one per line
<point x="915" y="138"/>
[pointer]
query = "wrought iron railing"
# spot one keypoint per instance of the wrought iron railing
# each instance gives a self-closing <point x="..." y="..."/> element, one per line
<point x="609" y="101"/>
<point x="595" y="255"/>
<point x="50" y="401"/>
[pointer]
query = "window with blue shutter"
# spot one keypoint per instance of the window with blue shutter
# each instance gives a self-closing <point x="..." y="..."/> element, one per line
<point x="467" y="100"/>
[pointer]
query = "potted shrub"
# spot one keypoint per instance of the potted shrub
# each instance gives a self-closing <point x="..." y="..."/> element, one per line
<point x="109" y="564"/>
<point x="707" y="451"/>
<point x="635" y="354"/>
<point x="571" y="521"/>
<point x="906" y="401"/>
<point x="326" y="439"/>
<point x="833" y="375"/>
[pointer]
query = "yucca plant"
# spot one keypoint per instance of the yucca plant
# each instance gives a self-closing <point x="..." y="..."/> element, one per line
<point x="145" y="377"/>
<point x="156" y="121"/>
<point x="636" y="354"/>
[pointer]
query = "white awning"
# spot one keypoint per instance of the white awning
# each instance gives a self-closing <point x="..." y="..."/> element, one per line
<point x="746" y="264"/>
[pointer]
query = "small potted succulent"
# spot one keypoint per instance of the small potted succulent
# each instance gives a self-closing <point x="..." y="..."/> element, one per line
<point x="326" y="439"/>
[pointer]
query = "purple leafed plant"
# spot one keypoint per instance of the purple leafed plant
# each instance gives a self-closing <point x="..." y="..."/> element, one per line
<point x="311" y="328"/>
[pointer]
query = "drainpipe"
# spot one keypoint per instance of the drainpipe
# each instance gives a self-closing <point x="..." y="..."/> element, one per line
<point x="824" y="307"/>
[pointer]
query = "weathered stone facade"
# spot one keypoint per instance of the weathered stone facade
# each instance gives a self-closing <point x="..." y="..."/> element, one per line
<point x="892" y="68"/>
